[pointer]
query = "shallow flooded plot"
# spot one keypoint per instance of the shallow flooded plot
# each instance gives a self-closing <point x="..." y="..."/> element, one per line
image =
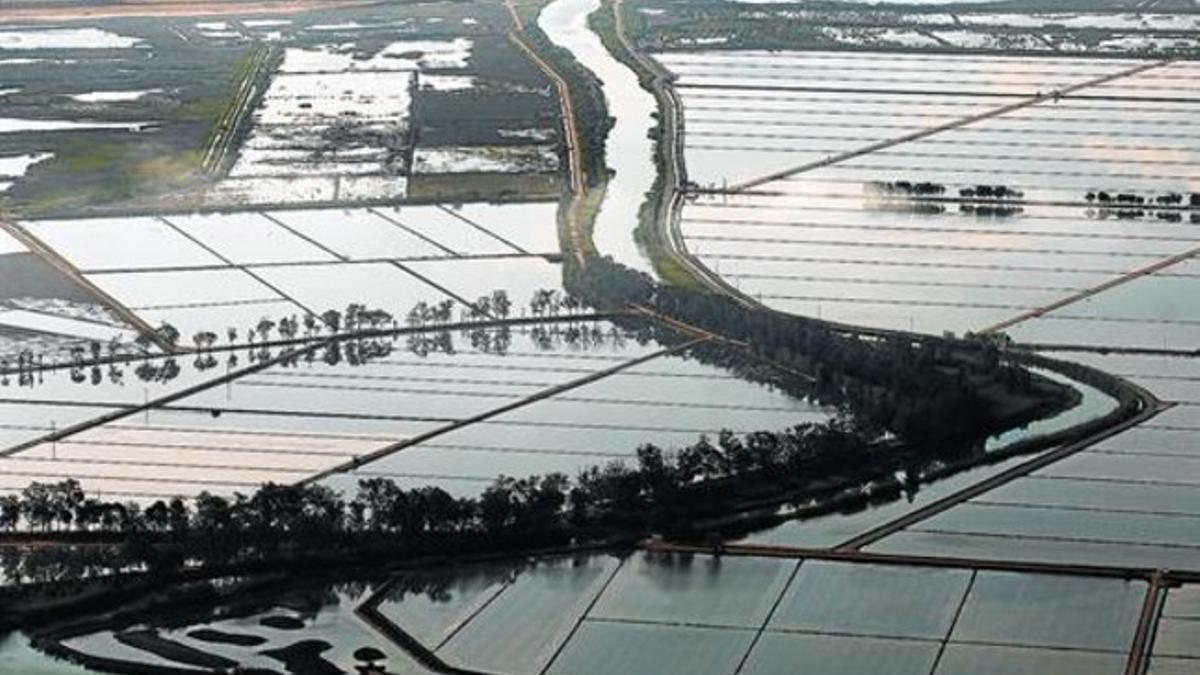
<point x="22" y="421"/>
<point x="990" y="547"/>
<point x="451" y="229"/>
<point x="1096" y="497"/>
<point x="359" y="234"/>
<point x="47" y="323"/>
<point x="996" y="660"/>
<point x="532" y="226"/>
<point x="108" y="243"/>
<point x="320" y="288"/>
<point x="151" y="290"/>
<point x="433" y="605"/>
<point x="875" y="600"/>
<point x="796" y="654"/>
<point x="249" y="238"/>
<point x="602" y="647"/>
<point x="519" y="277"/>
<point x="1049" y="611"/>
<point x="1102" y="466"/>
<point x="698" y="590"/>
<point x="1067" y="524"/>
<point x="521" y="629"/>
<point x="1150" y="311"/>
<point x="835" y="528"/>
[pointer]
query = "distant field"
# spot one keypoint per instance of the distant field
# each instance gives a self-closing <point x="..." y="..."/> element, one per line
<point x="1115" y="27"/>
<point x="820" y="239"/>
<point x="323" y="106"/>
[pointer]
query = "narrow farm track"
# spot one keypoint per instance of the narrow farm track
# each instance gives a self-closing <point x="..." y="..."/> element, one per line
<point x="928" y="561"/>
<point x="578" y="242"/>
<point x="51" y="257"/>
<point x="229" y="123"/>
<point x="931" y="131"/>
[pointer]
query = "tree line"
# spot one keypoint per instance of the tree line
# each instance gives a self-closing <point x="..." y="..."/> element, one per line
<point x="655" y="491"/>
<point x="915" y="388"/>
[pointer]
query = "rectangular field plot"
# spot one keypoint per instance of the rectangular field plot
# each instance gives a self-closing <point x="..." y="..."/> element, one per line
<point x="601" y="647"/>
<point x="83" y="329"/>
<point x="1048" y="611"/>
<point x="150" y="290"/>
<point x="472" y="278"/>
<point x="249" y="238"/>
<point x="109" y="243"/>
<point x="320" y="288"/>
<point x="871" y="600"/>
<point x="925" y="272"/>
<point x="1075" y="551"/>
<point x="219" y="318"/>
<point x="442" y="226"/>
<point x="522" y="628"/>
<point x="696" y="590"/>
<point x="1097" y="497"/>
<point x="798" y="654"/>
<point x="532" y="226"/>
<point x="286" y="423"/>
<point x="22" y="421"/>
<point x="668" y="400"/>
<point x="960" y="659"/>
<point x="432" y="605"/>
<point x="1148" y="311"/>
<point x="1064" y="524"/>
<point x="359" y="234"/>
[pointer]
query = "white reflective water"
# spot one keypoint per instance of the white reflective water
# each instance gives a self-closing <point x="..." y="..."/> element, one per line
<point x="629" y="150"/>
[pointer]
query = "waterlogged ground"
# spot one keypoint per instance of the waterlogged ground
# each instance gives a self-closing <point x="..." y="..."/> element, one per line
<point x="318" y="107"/>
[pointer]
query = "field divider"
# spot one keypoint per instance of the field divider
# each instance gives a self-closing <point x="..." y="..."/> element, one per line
<point x="1040" y="97"/>
<point x="1086" y="293"/>
<point x="435" y="285"/>
<point x="305" y="237"/>
<point x="924" y="561"/>
<point x="432" y="242"/>
<point x="583" y="616"/>
<point x="495" y="412"/>
<point x="1143" y="637"/>
<point x="762" y="628"/>
<point x="243" y="268"/>
<point x="483" y="229"/>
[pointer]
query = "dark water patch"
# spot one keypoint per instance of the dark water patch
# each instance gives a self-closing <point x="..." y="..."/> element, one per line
<point x="304" y="658"/>
<point x="150" y="641"/>
<point x="24" y="275"/>
<point x="224" y="638"/>
<point x="280" y="622"/>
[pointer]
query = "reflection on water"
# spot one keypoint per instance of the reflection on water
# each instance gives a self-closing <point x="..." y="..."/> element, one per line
<point x="629" y="150"/>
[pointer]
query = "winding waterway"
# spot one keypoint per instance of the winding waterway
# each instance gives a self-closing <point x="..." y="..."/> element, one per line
<point x="629" y="148"/>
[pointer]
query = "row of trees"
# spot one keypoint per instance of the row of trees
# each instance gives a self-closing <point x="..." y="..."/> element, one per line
<point x="655" y="492"/>
<point x="1130" y="198"/>
<point x="919" y="388"/>
<point x="498" y="340"/>
<point x="100" y="362"/>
